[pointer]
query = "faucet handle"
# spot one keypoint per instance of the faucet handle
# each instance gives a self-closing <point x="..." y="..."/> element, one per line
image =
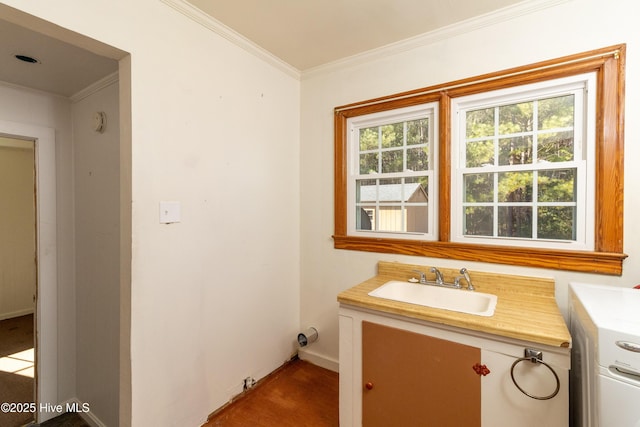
<point x="439" y="278"/>
<point x="465" y="274"/>
<point x="423" y="277"/>
<point x="456" y="282"/>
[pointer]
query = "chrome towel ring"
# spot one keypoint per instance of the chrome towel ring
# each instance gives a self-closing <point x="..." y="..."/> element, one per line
<point x="535" y="356"/>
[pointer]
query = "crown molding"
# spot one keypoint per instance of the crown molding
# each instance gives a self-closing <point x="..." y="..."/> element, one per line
<point x="459" y="28"/>
<point x="94" y="87"/>
<point x="501" y="15"/>
<point x="227" y="33"/>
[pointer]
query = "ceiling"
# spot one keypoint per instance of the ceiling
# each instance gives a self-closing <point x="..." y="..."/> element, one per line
<point x="302" y="33"/>
<point x="62" y="69"/>
<point x="308" y="33"/>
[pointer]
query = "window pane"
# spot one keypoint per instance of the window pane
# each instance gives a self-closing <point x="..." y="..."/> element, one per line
<point x="366" y="218"/>
<point x="368" y="163"/>
<point x="390" y="181"/>
<point x="556" y="112"/>
<point x="391" y="161"/>
<point x="478" y="221"/>
<point x="390" y="218"/>
<point x="369" y="139"/>
<point x="516" y="151"/>
<point x="478" y="187"/>
<point x="418" y="159"/>
<point x="555" y="146"/>
<point x="417" y="219"/>
<point x="515" y="118"/>
<point x="392" y="135"/>
<point x="556" y="222"/>
<point x="480" y="123"/>
<point x="515" y="186"/>
<point x="392" y="191"/>
<point x="398" y="205"/>
<point x="514" y="221"/>
<point x="480" y="153"/>
<point x="419" y="189"/>
<point x="557" y="185"/>
<point x="366" y="191"/>
<point x="418" y="132"/>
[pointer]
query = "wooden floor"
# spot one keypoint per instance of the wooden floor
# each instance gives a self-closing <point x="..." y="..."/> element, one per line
<point x="69" y="419"/>
<point x="16" y="336"/>
<point x="297" y="395"/>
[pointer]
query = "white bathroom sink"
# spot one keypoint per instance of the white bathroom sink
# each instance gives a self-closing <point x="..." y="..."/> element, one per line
<point x="460" y="300"/>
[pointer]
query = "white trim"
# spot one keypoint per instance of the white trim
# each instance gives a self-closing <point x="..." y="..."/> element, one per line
<point x="17" y="313"/>
<point x="47" y="293"/>
<point x="584" y="165"/>
<point x="87" y="416"/>
<point x="192" y="12"/>
<point x="319" y="359"/>
<point x="453" y="30"/>
<point x="427" y="110"/>
<point x="94" y="87"/>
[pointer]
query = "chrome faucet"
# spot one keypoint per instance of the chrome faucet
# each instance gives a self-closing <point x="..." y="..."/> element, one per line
<point x="466" y="277"/>
<point x="439" y="278"/>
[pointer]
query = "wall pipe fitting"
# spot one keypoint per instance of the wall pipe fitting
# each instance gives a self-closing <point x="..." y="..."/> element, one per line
<point x="308" y="336"/>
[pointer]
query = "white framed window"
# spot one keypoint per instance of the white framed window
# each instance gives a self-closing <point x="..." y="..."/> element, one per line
<point x="523" y="165"/>
<point x="392" y="174"/>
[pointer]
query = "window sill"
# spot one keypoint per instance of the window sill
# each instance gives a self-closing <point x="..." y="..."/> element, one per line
<point x="580" y="261"/>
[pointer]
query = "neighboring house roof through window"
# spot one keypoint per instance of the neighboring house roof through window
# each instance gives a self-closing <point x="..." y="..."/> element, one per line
<point x="392" y="193"/>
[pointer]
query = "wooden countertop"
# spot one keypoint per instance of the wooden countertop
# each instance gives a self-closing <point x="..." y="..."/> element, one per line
<point x="526" y="308"/>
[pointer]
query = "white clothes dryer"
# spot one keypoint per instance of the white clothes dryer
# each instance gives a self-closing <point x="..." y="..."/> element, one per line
<point x="605" y="371"/>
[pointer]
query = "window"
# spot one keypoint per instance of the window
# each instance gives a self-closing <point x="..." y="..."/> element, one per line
<point x="522" y="167"/>
<point x="391" y="174"/>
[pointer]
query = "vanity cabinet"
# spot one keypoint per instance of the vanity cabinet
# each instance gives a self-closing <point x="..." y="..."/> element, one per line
<point x="412" y="379"/>
<point x="407" y="372"/>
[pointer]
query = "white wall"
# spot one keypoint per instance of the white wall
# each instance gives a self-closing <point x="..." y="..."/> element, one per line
<point x="36" y="108"/>
<point x="214" y="298"/>
<point x="17" y="219"/>
<point x="571" y="27"/>
<point x="97" y="231"/>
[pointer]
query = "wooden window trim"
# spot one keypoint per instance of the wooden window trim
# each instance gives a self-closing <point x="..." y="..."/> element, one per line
<point x="608" y="256"/>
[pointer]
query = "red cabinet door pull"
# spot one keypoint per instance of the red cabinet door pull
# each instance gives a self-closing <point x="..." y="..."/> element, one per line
<point x="481" y="369"/>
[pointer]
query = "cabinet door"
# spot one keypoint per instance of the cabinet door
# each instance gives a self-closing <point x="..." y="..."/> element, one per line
<point x="411" y="379"/>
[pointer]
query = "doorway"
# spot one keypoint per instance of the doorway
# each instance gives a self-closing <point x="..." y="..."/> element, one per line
<point x="74" y="66"/>
<point x="18" y="281"/>
<point x="42" y="197"/>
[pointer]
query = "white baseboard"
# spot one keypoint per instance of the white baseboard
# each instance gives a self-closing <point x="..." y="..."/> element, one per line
<point x="319" y="359"/>
<point x="17" y="313"/>
<point x="84" y="410"/>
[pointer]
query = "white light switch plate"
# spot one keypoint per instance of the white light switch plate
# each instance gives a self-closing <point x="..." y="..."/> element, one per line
<point x="169" y="212"/>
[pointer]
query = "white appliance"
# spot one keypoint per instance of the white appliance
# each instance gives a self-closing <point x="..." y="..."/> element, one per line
<point x="605" y="371"/>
